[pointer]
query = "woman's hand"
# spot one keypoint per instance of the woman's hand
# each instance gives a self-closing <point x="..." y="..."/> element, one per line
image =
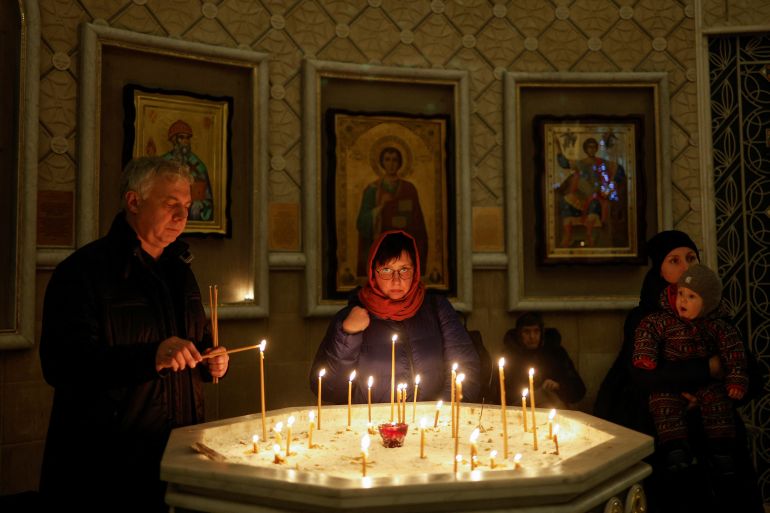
<point x="356" y="321"/>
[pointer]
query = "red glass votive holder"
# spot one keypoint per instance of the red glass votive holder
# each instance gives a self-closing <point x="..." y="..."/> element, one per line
<point x="393" y="434"/>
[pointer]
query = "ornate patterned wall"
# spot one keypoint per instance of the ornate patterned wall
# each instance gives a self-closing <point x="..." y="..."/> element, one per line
<point x="740" y="109"/>
<point x="482" y="36"/>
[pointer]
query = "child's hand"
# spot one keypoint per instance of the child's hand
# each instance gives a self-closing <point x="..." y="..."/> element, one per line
<point x="734" y="392"/>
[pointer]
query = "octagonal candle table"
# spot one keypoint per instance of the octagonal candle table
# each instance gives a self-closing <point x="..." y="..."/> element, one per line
<point x="598" y="466"/>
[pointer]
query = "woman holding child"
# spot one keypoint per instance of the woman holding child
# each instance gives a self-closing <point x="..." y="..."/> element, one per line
<point x="689" y="479"/>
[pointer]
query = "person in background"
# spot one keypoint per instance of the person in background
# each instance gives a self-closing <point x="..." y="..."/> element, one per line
<point x="122" y="340"/>
<point x="530" y="345"/>
<point x="623" y="395"/>
<point x="394" y="302"/>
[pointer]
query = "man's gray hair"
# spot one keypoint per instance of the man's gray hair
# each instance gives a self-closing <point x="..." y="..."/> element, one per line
<point x="141" y="172"/>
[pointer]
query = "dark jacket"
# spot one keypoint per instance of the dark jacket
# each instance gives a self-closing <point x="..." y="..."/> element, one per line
<point x="428" y="344"/>
<point x="107" y="309"/>
<point x="550" y="361"/>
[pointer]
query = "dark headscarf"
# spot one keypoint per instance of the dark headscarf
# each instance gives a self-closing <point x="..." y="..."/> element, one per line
<point x="658" y="247"/>
<point x="375" y="300"/>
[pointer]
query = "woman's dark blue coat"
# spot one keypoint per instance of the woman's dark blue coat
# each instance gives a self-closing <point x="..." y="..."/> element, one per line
<point x="428" y="344"/>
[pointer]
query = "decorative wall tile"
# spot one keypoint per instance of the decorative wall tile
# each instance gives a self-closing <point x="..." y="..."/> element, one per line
<point x="658" y="17"/>
<point x="59" y="20"/>
<point x="56" y="173"/>
<point x="285" y="56"/>
<point x="139" y="19"/>
<point x="530" y="17"/>
<point x="481" y="72"/>
<point x="594" y="62"/>
<point x="374" y="34"/>
<point x="246" y="20"/>
<point x="343" y="50"/>
<point x="626" y="45"/>
<point x="562" y="45"/>
<point x="469" y="16"/>
<point x="310" y="27"/>
<point x="343" y="11"/>
<point x="532" y="62"/>
<point x="210" y="32"/>
<point x="406" y="14"/>
<point x="175" y="16"/>
<point x="104" y="9"/>
<point x="406" y="55"/>
<point x="58" y="108"/>
<point x="437" y="39"/>
<point x="593" y="16"/>
<point x="498" y="42"/>
<point x="285" y="127"/>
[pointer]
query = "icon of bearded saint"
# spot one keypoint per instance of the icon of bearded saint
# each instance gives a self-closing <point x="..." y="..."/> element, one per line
<point x="180" y="136"/>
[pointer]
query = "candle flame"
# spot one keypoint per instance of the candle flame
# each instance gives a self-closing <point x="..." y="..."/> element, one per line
<point x="417" y="379"/>
<point x="365" y="441"/>
<point x="394" y="338"/>
<point x="276" y="448"/>
<point x="556" y="429"/>
<point x="290" y="421"/>
<point x="474" y="436"/>
<point x="531" y="372"/>
<point x="352" y="375"/>
<point x="371" y="381"/>
<point x="454" y="366"/>
<point x="439" y="404"/>
<point x="524" y="393"/>
<point x="552" y="414"/>
<point x="493" y="454"/>
<point x="460" y="378"/>
<point x="322" y="373"/>
<point x="255" y="438"/>
<point x="517" y="458"/>
<point x="278" y="427"/>
<point x="501" y="362"/>
<point x="422" y="422"/>
<point x="262" y="345"/>
<point x="311" y="415"/>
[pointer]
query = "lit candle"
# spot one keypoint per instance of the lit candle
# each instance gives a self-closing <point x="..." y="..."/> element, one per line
<point x="392" y="375"/>
<point x="532" y="399"/>
<point x="458" y="399"/>
<point x="311" y="417"/>
<point x="321" y="374"/>
<point x="517" y="461"/>
<point x="474" y="448"/>
<point x="370" y="383"/>
<point x="365" y="441"/>
<point x="277" y="429"/>
<point x="551" y="415"/>
<point x="422" y="438"/>
<point x="414" y="399"/>
<point x="350" y="393"/>
<point x="556" y="438"/>
<point x="492" y="456"/>
<point x="277" y="451"/>
<point x="452" y="396"/>
<point x="524" y="394"/>
<point x="438" y="410"/>
<point x="458" y="458"/>
<point x="500" y="365"/>
<point x="289" y="423"/>
<point x="262" y="383"/>
<point x="255" y="443"/>
<point x="403" y="402"/>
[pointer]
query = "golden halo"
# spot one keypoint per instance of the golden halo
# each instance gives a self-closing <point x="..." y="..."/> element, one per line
<point x="391" y="141"/>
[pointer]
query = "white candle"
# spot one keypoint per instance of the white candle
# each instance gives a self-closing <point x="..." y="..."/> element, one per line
<point x="277" y="451"/>
<point x="452" y="396"/>
<point x="370" y="383"/>
<point x="474" y="448"/>
<point x="278" y="427"/>
<point x="321" y="374"/>
<point x="365" y="441"/>
<point x="556" y="438"/>
<point x="501" y="364"/>
<point x="262" y="383"/>
<point x="517" y="460"/>
<point x="422" y="438"/>
<point x="414" y="399"/>
<point x="392" y="375"/>
<point x="551" y="415"/>
<point x="438" y="410"/>
<point x="311" y="418"/>
<point x="524" y="394"/>
<point x="350" y="393"/>
<point x="492" y="456"/>
<point x="289" y="423"/>
<point x="532" y="398"/>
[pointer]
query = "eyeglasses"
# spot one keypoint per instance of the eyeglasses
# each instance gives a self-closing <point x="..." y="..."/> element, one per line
<point x="386" y="273"/>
